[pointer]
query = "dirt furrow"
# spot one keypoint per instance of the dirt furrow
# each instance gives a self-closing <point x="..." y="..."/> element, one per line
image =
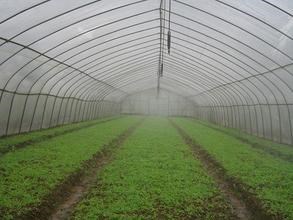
<point x="245" y="205"/>
<point x="60" y="203"/>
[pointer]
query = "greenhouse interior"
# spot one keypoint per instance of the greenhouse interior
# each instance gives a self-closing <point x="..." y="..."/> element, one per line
<point x="146" y="109"/>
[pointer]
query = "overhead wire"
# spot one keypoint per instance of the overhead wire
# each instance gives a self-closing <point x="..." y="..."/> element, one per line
<point x="162" y="42"/>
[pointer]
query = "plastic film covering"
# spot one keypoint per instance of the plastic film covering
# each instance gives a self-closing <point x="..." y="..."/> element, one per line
<point x="74" y="60"/>
<point x="166" y="104"/>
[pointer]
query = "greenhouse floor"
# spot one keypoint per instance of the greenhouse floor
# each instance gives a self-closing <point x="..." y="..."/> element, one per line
<point x="135" y="167"/>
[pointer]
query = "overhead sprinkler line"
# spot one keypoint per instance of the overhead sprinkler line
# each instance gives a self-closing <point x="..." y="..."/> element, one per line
<point x="162" y="6"/>
<point x="163" y="36"/>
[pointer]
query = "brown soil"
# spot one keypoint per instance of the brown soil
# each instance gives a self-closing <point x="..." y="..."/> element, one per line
<point x="244" y="203"/>
<point x="61" y="201"/>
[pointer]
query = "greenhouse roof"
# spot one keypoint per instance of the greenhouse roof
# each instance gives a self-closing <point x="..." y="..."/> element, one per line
<point x="100" y="49"/>
<point x="212" y="52"/>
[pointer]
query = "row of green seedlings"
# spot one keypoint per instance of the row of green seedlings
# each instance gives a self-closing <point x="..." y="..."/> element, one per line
<point x="29" y="175"/>
<point x="12" y="143"/>
<point x="282" y="151"/>
<point x="154" y="176"/>
<point x="268" y="178"/>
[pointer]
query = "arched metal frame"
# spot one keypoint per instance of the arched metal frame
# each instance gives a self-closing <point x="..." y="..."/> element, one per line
<point x="220" y="60"/>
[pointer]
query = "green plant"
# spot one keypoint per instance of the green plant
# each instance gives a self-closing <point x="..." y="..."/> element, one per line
<point x="154" y="176"/>
<point x="31" y="173"/>
<point x="270" y="178"/>
<point x="8" y="143"/>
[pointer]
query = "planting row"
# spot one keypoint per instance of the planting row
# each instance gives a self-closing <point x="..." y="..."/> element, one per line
<point x="10" y="142"/>
<point x="154" y="176"/>
<point x="269" y="178"/>
<point x="276" y="149"/>
<point x="29" y="174"/>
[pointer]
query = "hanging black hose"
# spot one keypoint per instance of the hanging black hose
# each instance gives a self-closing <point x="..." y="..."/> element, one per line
<point x="162" y="39"/>
<point x="169" y="30"/>
<point x="169" y="41"/>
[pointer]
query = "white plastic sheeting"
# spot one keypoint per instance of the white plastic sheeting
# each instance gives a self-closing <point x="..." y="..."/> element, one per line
<point x="62" y="59"/>
<point x="165" y="104"/>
